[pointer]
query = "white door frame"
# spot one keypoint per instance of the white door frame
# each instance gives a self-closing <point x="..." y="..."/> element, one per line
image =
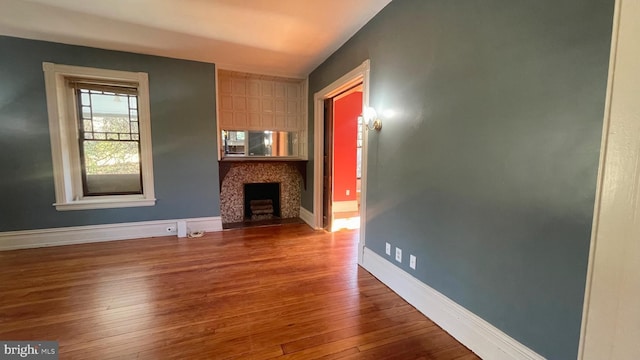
<point x="352" y="78"/>
<point x="612" y="296"/>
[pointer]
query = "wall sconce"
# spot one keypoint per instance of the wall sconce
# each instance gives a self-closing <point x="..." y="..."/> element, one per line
<point x="370" y="118"/>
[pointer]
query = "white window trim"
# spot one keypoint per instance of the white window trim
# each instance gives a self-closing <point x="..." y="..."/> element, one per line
<point x="64" y="145"/>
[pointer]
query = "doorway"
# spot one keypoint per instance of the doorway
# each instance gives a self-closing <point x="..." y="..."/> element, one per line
<point x="321" y="207"/>
<point x="345" y="139"/>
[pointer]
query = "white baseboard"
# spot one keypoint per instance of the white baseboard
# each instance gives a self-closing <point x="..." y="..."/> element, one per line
<point x="26" y="239"/>
<point x="344" y="206"/>
<point x="307" y="216"/>
<point x="482" y="338"/>
<point x="210" y="224"/>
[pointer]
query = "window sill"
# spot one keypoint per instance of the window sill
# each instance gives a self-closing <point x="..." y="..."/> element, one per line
<point x="105" y="203"/>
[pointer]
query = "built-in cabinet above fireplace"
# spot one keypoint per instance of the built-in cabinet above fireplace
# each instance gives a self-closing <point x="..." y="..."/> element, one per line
<point x="261" y="116"/>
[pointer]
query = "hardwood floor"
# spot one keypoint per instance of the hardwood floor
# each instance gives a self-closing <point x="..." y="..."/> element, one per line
<point x="284" y="292"/>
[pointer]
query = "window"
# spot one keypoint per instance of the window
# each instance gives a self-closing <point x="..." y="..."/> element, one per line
<point x="100" y="137"/>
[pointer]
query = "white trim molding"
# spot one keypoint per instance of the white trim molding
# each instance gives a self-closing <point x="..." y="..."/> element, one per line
<point x="345" y="206"/>
<point x="611" y="313"/>
<point x="352" y="78"/>
<point x="26" y="239"/>
<point x="482" y="338"/>
<point x="307" y="217"/>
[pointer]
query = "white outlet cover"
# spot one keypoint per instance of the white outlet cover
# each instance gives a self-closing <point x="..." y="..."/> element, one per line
<point x="399" y="255"/>
<point x="412" y="261"/>
<point x="387" y="249"/>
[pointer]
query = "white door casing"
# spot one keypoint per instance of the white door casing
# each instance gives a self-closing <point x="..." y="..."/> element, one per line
<point x="611" y="318"/>
<point x="352" y="78"/>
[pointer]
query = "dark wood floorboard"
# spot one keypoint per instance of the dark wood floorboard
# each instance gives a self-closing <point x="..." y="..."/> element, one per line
<point x="282" y="292"/>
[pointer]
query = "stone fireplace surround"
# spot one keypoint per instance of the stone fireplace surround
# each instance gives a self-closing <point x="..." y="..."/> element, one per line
<point x="240" y="173"/>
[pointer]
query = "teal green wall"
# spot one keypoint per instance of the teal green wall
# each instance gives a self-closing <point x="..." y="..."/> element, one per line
<point x="183" y="131"/>
<point x="487" y="172"/>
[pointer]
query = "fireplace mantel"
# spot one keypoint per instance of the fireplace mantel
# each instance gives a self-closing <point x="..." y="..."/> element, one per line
<point x="227" y="163"/>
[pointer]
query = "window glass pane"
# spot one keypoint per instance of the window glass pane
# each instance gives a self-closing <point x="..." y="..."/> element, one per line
<point x="110" y="145"/>
<point x="112" y="167"/>
<point x="133" y="102"/>
<point x="108" y="113"/>
<point x="109" y="105"/>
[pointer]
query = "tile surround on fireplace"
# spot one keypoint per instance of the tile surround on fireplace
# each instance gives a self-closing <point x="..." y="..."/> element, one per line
<point x="232" y="188"/>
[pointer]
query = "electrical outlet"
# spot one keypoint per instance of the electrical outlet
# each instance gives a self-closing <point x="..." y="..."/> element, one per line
<point x="399" y="255"/>
<point x="387" y="249"/>
<point x="348" y="192"/>
<point x="412" y="261"/>
<point x="171" y="229"/>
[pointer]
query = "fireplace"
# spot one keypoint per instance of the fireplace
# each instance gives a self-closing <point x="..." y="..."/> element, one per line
<point x="261" y="201"/>
<point x="238" y="173"/>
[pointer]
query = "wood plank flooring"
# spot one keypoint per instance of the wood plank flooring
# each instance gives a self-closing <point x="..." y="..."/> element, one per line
<point x="282" y="292"/>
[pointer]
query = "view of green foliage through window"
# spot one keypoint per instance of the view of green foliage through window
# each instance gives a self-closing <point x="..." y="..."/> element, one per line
<point x="110" y="142"/>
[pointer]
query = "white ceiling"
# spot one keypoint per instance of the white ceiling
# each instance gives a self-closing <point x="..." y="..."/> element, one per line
<point x="275" y="37"/>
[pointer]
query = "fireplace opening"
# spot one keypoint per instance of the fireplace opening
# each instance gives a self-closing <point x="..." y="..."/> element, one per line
<point x="261" y="201"/>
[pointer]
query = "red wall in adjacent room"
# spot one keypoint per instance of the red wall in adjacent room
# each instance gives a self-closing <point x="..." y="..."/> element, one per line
<point x="345" y="132"/>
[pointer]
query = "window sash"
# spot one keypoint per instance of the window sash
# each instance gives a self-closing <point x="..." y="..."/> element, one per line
<point x="127" y="88"/>
<point x="82" y="138"/>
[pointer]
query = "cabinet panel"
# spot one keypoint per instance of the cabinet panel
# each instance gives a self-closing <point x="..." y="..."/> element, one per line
<point x="255" y="120"/>
<point x="226" y="119"/>
<point x="260" y="102"/>
<point x="267" y="88"/>
<point x="253" y="104"/>
<point x="239" y="104"/>
<point x="268" y="122"/>
<point x="226" y="103"/>
<point x="238" y="87"/>
<point x="253" y="88"/>
<point x="280" y="91"/>
<point x="239" y="120"/>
